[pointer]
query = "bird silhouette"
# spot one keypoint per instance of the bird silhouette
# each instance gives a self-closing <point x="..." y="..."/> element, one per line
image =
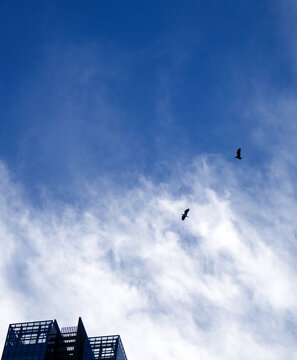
<point x="185" y="214"/>
<point x="238" y="154"/>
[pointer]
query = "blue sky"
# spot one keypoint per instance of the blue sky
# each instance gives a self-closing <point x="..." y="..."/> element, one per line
<point x="114" y="118"/>
<point x="117" y="90"/>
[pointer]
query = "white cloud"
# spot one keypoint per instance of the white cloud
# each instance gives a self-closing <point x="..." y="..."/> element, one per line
<point x="220" y="285"/>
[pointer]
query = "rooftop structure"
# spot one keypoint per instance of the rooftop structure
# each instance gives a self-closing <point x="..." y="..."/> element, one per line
<point x="43" y="340"/>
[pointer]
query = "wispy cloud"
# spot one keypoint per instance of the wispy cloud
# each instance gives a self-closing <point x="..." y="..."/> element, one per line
<point x="220" y="285"/>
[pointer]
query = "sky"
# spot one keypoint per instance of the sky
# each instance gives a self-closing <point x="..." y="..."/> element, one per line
<point x="114" y="118"/>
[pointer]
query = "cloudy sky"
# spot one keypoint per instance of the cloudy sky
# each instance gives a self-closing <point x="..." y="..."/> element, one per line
<point x="115" y="117"/>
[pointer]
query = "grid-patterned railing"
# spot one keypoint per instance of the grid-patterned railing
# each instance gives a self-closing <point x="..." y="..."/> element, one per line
<point x="106" y="348"/>
<point x="26" y="340"/>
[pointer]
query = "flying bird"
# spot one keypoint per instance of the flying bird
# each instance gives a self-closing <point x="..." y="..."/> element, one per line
<point x="185" y="214"/>
<point x="238" y="154"/>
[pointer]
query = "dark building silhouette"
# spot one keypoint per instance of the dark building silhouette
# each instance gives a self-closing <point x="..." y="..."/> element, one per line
<point x="43" y="340"/>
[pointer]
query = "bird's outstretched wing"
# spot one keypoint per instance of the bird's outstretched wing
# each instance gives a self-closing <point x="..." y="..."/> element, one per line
<point x="186" y="212"/>
<point x="239" y="152"/>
